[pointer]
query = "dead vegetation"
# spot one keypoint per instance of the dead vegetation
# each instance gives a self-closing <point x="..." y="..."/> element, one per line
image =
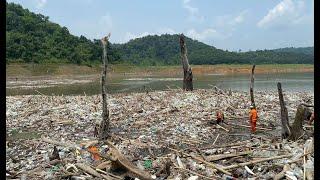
<point x="164" y="134"/>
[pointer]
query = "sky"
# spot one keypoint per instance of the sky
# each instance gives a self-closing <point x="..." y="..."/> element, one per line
<point x="225" y="24"/>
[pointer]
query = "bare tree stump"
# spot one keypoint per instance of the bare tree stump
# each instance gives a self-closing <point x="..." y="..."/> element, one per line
<point x="296" y="128"/>
<point x="295" y="131"/>
<point x="187" y="72"/>
<point x="104" y="125"/>
<point x="251" y="85"/>
<point x="286" y="132"/>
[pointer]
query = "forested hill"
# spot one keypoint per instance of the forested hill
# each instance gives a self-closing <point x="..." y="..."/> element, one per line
<point x="164" y="49"/>
<point x="32" y="37"/>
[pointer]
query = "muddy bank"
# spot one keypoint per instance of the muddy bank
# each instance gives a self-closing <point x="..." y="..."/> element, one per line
<point x="145" y="125"/>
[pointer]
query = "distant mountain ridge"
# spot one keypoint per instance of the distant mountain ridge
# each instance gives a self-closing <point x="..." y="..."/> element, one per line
<point x="164" y="49"/>
<point x="32" y="37"/>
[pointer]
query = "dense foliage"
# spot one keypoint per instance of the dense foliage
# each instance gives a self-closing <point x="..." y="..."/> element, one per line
<point x="164" y="49"/>
<point x="32" y="37"/>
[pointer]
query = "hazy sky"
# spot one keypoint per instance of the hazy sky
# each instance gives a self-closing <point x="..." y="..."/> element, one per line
<point x="225" y="24"/>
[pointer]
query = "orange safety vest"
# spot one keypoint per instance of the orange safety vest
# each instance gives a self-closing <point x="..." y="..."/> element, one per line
<point x="253" y="115"/>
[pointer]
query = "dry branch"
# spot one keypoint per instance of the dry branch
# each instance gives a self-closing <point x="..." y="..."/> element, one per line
<point x="224" y="156"/>
<point x="256" y="161"/>
<point x="91" y="171"/>
<point x="205" y="162"/>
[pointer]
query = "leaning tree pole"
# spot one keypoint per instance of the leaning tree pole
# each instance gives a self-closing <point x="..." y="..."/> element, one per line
<point x="104" y="125"/>
<point x="187" y="72"/>
<point x="251" y="85"/>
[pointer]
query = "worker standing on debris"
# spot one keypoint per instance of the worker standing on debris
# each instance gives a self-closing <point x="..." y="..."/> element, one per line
<point x="220" y="117"/>
<point x="253" y="118"/>
<point x="311" y="118"/>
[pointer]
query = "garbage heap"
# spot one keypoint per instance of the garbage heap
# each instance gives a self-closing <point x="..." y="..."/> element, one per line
<point x="155" y="135"/>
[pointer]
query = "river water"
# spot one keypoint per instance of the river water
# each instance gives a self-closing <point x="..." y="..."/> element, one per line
<point x="264" y="82"/>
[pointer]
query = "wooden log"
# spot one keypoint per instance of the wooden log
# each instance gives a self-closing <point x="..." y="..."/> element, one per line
<point x="108" y="174"/>
<point x="119" y="161"/>
<point x="286" y="131"/>
<point x="91" y="171"/>
<point x="104" y="125"/>
<point x="187" y="71"/>
<point x="251" y="86"/>
<point x="256" y="161"/>
<point x="205" y="162"/>
<point x="224" y="156"/>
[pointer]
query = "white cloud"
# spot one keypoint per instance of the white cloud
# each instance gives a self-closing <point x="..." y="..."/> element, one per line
<point x="287" y="12"/>
<point x="193" y="12"/>
<point x="40" y="3"/>
<point x="230" y="21"/>
<point x="129" y="35"/>
<point x="206" y="34"/>
<point x="239" y="19"/>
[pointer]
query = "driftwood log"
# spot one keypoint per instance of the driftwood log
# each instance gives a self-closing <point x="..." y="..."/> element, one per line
<point x="295" y="131"/>
<point x="251" y="85"/>
<point x="104" y="125"/>
<point x="187" y="72"/>
<point x="119" y="162"/>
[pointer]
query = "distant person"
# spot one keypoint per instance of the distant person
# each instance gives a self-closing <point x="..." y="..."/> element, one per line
<point x="253" y="115"/>
<point x="311" y="119"/>
<point x="220" y="117"/>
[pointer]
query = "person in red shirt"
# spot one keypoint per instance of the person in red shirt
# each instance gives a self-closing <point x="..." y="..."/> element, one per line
<point x="253" y="115"/>
<point x="311" y="118"/>
<point x="220" y="117"/>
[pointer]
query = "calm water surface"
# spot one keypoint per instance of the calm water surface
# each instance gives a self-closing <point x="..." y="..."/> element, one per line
<point x="290" y="82"/>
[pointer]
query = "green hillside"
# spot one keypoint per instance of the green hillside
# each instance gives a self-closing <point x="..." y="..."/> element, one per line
<point x="164" y="49"/>
<point x="32" y="37"/>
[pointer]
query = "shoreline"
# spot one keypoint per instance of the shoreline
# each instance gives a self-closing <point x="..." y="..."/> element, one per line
<point x="62" y="70"/>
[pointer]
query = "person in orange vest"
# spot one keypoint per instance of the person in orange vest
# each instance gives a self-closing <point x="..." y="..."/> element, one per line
<point x="253" y="118"/>
<point x="220" y="117"/>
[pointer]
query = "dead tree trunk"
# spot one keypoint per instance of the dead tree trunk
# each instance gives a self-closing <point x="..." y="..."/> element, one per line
<point x="296" y="128"/>
<point x="284" y="115"/>
<point x="251" y="86"/>
<point x="104" y="125"/>
<point x="187" y="72"/>
<point x="295" y="131"/>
